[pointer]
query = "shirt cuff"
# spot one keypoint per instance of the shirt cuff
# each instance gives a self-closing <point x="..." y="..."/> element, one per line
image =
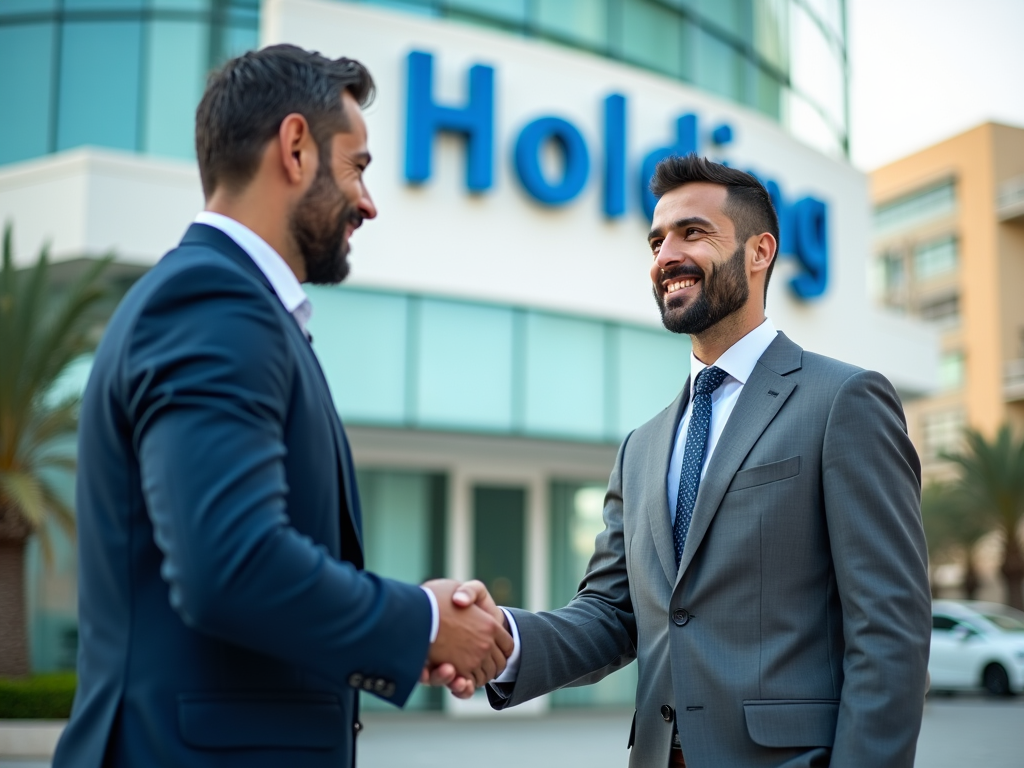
<point x="435" y="614"/>
<point x="512" y="665"/>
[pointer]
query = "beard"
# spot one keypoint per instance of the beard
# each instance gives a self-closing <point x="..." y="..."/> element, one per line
<point x="318" y="225"/>
<point x="722" y="292"/>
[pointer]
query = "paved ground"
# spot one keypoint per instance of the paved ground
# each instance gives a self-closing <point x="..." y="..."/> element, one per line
<point x="958" y="732"/>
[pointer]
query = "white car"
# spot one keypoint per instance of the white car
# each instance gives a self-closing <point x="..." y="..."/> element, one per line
<point x="977" y="645"/>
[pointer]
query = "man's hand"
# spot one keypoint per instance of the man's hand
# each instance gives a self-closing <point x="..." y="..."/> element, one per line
<point x="467" y="594"/>
<point x="472" y="644"/>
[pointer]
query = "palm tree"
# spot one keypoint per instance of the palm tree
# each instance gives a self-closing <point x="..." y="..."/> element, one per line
<point x="992" y="476"/>
<point x="41" y="332"/>
<point x="953" y="526"/>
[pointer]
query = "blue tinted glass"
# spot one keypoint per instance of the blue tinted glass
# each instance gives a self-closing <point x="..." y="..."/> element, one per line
<point x="652" y="367"/>
<point x="95" y="5"/>
<point x="719" y="67"/>
<point x="99" y="84"/>
<point x="503" y="10"/>
<point x="565" y="376"/>
<point x="18" y="7"/>
<point x="583" y="21"/>
<point x="177" y="58"/>
<point x="182" y="5"/>
<point x="360" y="340"/>
<point x="464" y="354"/>
<point x="651" y="36"/>
<point x="26" y="82"/>
<point x="238" y="40"/>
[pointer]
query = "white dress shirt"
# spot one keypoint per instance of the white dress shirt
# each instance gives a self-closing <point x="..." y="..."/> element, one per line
<point x="289" y="291"/>
<point x="274" y="268"/>
<point x="738" y="361"/>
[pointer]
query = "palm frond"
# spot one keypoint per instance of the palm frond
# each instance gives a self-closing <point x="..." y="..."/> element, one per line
<point x="23" y="492"/>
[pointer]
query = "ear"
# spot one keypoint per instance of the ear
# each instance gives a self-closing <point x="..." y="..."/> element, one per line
<point x="297" y="150"/>
<point x="765" y="251"/>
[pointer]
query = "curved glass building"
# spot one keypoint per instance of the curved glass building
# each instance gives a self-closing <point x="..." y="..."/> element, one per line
<point x="127" y="74"/>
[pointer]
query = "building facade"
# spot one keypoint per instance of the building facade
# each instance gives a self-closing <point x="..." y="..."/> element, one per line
<point x="497" y="338"/>
<point x="949" y="249"/>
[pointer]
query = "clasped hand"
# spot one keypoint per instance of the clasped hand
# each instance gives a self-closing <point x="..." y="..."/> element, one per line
<point x="473" y="642"/>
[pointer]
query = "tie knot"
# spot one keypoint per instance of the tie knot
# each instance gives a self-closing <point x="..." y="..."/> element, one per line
<point x="709" y="380"/>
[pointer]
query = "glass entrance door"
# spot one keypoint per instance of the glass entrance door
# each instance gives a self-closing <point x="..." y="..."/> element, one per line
<point x="499" y="542"/>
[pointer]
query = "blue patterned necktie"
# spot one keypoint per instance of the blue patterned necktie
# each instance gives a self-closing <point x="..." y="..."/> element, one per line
<point x="696" y="448"/>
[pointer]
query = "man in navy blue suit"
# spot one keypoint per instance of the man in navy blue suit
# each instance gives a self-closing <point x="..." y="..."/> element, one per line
<point x="224" y="615"/>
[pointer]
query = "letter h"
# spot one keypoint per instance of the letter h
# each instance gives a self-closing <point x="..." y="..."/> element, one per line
<point x="425" y="117"/>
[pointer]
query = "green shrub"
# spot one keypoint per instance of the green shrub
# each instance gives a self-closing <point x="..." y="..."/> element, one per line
<point x="41" y="697"/>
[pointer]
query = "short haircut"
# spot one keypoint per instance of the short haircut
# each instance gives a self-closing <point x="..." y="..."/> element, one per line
<point x="747" y="204"/>
<point x="247" y="99"/>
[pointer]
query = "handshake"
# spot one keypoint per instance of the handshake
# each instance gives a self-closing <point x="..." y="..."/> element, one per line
<point x="473" y="639"/>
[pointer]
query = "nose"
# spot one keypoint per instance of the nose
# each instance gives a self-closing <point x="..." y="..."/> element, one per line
<point x="366" y="207"/>
<point x="670" y="253"/>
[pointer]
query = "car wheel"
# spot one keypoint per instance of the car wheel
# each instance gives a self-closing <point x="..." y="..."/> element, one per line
<point x="995" y="680"/>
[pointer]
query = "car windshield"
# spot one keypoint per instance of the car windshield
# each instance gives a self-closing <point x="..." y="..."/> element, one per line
<point x="1005" y="622"/>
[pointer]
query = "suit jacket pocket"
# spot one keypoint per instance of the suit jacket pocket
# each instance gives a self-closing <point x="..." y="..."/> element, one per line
<point x="292" y="720"/>
<point x="766" y="473"/>
<point x="792" y="722"/>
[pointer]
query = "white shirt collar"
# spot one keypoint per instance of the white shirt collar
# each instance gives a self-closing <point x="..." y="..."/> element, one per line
<point x="269" y="261"/>
<point x="739" y="360"/>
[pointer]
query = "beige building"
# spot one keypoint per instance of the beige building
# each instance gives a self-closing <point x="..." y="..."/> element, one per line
<point x="949" y="248"/>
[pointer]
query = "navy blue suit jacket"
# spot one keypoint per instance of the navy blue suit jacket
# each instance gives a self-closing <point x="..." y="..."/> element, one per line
<point x="224" y="616"/>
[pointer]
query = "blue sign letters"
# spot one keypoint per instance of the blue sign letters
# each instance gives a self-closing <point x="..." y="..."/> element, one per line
<point x="803" y="225"/>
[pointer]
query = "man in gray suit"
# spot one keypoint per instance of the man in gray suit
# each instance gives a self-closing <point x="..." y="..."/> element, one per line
<point x="763" y="557"/>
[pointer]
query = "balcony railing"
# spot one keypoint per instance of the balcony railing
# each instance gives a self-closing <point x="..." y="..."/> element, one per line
<point x="1011" y="200"/>
<point x="1013" y="381"/>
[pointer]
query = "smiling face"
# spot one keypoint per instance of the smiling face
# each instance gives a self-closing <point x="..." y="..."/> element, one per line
<point x="336" y="202"/>
<point x="699" y="272"/>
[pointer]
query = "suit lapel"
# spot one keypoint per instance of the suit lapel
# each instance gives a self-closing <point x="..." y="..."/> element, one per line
<point x="657" y="462"/>
<point x="762" y="397"/>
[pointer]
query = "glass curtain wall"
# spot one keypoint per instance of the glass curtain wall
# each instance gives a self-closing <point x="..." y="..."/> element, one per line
<point x="122" y="74"/>
<point x="783" y="58"/>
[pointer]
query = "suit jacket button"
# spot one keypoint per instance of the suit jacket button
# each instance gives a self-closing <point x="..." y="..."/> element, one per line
<point x="380" y="684"/>
<point x="357" y="727"/>
<point x="680" y="617"/>
<point x="666" y="713"/>
<point x="355" y="680"/>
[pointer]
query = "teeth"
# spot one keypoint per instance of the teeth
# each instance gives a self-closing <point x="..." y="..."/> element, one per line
<point x="677" y="286"/>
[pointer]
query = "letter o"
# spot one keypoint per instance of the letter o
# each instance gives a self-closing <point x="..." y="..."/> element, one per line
<point x="574" y="150"/>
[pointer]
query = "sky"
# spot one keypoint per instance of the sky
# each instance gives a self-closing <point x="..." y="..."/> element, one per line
<point x="924" y="70"/>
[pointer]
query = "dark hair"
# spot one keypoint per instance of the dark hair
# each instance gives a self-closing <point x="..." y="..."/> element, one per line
<point x="247" y="98"/>
<point x="747" y="203"/>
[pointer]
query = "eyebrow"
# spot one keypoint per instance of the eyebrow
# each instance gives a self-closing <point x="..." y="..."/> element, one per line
<point x="679" y="224"/>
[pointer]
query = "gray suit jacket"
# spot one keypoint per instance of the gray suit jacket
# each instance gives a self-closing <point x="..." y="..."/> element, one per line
<point x="796" y="629"/>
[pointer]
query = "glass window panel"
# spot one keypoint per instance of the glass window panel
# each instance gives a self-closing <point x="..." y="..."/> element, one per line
<point x="641" y="352"/>
<point x="652" y="37"/>
<point x="943" y="433"/>
<point x="935" y="259"/>
<point x="731" y="15"/>
<point x="719" y="67"/>
<point x="576" y="519"/>
<point x="951" y="370"/>
<point x="582" y="21"/>
<point x="182" y="5"/>
<point x="18" y="7"/>
<point x="499" y="542"/>
<point x="360" y="338"/>
<point x="565" y="388"/>
<point x="464" y="354"/>
<point x="502" y="10"/>
<point x="769" y="96"/>
<point x="177" y="55"/>
<point x="817" y="69"/>
<point x="771" y="31"/>
<point x="917" y="207"/>
<point x="236" y="41"/>
<point x="26" y="84"/>
<point x="806" y="123"/>
<point x="99" y="84"/>
<point x="403" y="538"/>
<point x="102" y="5"/>
<point x="944" y="312"/>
